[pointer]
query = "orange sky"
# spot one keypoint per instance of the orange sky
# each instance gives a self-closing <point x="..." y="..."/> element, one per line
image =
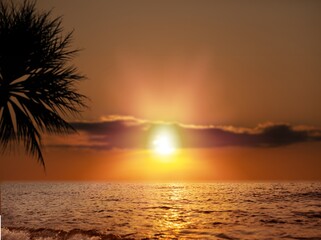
<point x="297" y="162"/>
<point x="226" y="66"/>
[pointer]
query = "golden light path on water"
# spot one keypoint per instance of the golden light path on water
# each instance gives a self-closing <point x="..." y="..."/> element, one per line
<point x="173" y="220"/>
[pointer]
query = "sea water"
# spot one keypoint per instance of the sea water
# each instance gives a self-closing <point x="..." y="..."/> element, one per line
<point x="52" y="211"/>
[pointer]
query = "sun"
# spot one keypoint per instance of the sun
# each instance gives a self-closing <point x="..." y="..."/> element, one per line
<point x="163" y="145"/>
<point x="164" y="141"/>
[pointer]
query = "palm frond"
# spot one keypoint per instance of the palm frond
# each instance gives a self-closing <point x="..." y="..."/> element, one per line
<point x="37" y="83"/>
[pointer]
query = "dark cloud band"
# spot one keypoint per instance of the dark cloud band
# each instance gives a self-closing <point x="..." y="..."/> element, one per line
<point x="131" y="133"/>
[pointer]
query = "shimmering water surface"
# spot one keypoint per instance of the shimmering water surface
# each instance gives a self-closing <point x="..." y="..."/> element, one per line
<point x="161" y="211"/>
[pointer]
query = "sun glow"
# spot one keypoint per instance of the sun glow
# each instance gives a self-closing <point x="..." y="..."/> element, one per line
<point x="163" y="145"/>
<point x="164" y="141"/>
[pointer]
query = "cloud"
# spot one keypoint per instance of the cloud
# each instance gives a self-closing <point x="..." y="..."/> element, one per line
<point x="264" y="135"/>
<point x="126" y="132"/>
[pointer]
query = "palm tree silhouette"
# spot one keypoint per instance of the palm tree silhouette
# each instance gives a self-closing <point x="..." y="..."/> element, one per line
<point x="37" y="85"/>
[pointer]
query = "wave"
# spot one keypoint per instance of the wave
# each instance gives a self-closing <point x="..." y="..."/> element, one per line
<point x="308" y="214"/>
<point x="20" y="233"/>
<point x="311" y="195"/>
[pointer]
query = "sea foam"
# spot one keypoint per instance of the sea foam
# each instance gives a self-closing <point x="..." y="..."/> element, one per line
<point x="51" y="234"/>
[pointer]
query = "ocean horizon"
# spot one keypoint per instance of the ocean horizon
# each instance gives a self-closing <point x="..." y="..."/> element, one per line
<point x="109" y="210"/>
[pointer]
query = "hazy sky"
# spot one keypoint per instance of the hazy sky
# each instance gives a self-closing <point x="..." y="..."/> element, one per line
<point x="214" y="62"/>
<point x="218" y="69"/>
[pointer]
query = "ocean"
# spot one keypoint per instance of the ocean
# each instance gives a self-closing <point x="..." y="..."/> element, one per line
<point x="102" y="211"/>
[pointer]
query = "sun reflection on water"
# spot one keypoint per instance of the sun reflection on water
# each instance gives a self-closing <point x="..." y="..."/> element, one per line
<point x="174" y="218"/>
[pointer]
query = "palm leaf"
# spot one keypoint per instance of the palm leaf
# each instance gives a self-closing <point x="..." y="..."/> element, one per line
<point x="37" y="83"/>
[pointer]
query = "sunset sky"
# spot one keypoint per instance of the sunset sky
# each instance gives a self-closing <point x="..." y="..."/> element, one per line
<point x="234" y="87"/>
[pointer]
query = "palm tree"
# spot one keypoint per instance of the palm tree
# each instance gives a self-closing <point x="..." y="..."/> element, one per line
<point x="37" y="85"/>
